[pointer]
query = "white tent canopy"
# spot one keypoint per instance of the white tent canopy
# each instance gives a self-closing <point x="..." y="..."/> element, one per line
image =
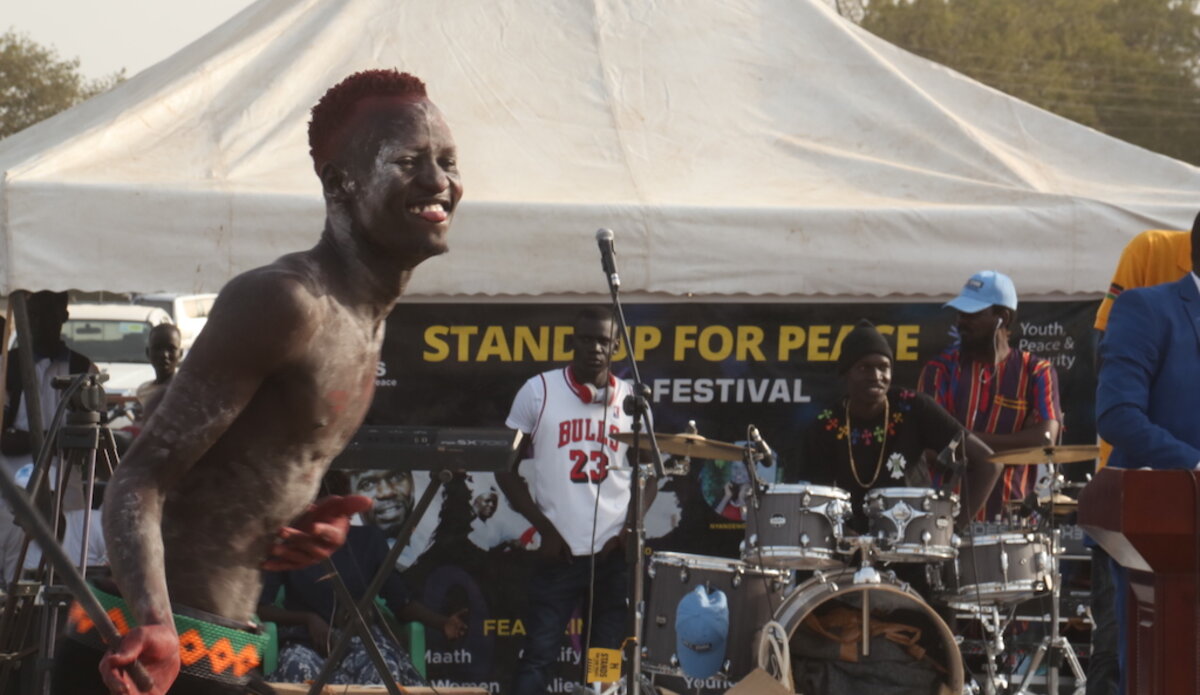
<point x="761" y="147"/>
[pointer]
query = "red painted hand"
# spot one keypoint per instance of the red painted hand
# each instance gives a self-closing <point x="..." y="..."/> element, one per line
<point x="316" y="533"/>
<point x="156" y="647"/>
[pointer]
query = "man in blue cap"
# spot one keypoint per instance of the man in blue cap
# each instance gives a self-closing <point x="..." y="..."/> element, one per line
<point x="1004" y="395"/>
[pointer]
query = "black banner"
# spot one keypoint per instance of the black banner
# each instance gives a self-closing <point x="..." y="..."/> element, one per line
<point x="724" y="366"/>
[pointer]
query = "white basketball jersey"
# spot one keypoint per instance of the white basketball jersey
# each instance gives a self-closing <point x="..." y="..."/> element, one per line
<point x="570" y="468"/>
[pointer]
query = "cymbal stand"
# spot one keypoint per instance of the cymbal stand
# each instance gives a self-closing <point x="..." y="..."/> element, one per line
<point x="1054" y="646"/>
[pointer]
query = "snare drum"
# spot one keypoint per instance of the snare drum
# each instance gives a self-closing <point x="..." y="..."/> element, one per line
<point x="796" y="526"/>
<point x="998" y="569"/>
<point x="912" y="524"/>
<point x="752" y="594"/>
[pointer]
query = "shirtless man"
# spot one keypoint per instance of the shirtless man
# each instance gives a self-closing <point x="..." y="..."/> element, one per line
<point x="164" y="348"/>
<point x="274" y="387"/>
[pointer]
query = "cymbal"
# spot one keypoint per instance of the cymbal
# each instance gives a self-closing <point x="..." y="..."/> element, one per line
<point x="1046" y="454"/>
<point x="691" y="445"/>
<point x="1063" y="504"/>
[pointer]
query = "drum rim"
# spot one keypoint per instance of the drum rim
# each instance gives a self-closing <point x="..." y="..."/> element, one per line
<point x="993" y="596"/>
<point x="906" y="492"/>
<point x="811" y="488"/>
<point x="1028" y="538"/>
<point x="900" y="550"/>
<point x="828" y="562"/>
<point x="709" y="562"/>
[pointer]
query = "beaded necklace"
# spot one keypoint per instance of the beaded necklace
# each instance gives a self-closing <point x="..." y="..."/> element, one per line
<point x="882" y="446"/>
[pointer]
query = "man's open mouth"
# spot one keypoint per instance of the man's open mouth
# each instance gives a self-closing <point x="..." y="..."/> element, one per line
<point x="432" y="211"/>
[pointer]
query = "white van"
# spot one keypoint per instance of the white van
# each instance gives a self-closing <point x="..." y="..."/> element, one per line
<point x="188" y="311"/>
<point x="114" y="337"/>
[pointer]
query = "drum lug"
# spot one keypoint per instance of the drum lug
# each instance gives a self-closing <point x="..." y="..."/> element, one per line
<point x="823" y="579"/>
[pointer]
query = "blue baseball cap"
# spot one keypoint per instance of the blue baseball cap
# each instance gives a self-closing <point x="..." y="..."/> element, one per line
<point x="985" y="288"/>
<point x="701" y="630"/>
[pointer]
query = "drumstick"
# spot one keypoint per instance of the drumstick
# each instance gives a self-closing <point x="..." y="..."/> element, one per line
<point x="74" y="581"/>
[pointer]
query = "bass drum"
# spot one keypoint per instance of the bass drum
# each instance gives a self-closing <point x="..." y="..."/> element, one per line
<point x="752" y="593"/>
<point x="910" y="641"/>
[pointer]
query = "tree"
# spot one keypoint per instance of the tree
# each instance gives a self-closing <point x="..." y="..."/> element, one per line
<point x="36" y="84"/>
<point x="1129" y="68"/>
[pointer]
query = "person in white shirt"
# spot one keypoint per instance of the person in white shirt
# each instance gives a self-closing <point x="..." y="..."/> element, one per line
<point x="574" y="487"/>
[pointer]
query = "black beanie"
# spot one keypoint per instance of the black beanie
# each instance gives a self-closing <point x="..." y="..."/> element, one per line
<point x="862" y="341"/>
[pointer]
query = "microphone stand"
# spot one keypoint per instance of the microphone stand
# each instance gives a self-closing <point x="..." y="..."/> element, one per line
<point x="639" y="406"/>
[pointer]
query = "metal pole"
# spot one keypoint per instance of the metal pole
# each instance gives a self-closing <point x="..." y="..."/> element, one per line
<point x="72" y="578"/>
<point x="29" y="386"/>
<point x="642" y="417"/>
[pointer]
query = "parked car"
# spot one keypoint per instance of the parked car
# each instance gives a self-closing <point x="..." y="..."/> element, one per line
<point x="188" y="311"/>
<point x="114" y="337"/>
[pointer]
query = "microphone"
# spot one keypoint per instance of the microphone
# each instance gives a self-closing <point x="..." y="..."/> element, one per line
<point x="608" y="257"/>
<point x="768" y="456"/>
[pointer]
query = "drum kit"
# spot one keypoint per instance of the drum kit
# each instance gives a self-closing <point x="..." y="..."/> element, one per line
<point x="800" y="560"/>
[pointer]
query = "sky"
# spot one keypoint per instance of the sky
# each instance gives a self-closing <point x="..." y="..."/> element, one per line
<point x="113" y="34"/>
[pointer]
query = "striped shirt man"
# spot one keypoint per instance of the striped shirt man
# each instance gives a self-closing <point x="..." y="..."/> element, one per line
<point x="1002" y="398"/>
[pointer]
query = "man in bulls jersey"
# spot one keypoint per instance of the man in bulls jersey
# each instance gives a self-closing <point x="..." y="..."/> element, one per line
<point x="574" y="487"/>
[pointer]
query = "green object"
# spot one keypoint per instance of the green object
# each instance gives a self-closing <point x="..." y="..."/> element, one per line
<point x="270" y="657"/>
<point x="411" y="635"/>
<point x="206" y="650"/>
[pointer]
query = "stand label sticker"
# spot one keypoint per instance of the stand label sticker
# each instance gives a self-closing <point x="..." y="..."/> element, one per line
<point x="603" y="665"/>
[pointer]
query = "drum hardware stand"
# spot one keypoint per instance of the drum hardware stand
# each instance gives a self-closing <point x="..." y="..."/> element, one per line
<point x="638" y="405"/>
<point x="994" y="625"/>
<point x="1054" y="646"/>
<point x="866" y="574"/>
<point x="366" y="602"/>
<point x="79" y="441"/>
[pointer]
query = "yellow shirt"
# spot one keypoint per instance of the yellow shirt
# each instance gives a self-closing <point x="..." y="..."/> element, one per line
<point x="1151" y="258"/>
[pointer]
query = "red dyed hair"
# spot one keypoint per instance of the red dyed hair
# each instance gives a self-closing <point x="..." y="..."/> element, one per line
<point x="336" y="108"/>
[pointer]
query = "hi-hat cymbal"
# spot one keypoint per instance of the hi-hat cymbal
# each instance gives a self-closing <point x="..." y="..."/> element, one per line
<point x="691" y="445"/>
<point x="1046" y="454"/>
<point x="1063" y="504"/>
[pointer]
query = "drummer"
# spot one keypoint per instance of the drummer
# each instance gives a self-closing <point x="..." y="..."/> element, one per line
<point x="877" y="436"/>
